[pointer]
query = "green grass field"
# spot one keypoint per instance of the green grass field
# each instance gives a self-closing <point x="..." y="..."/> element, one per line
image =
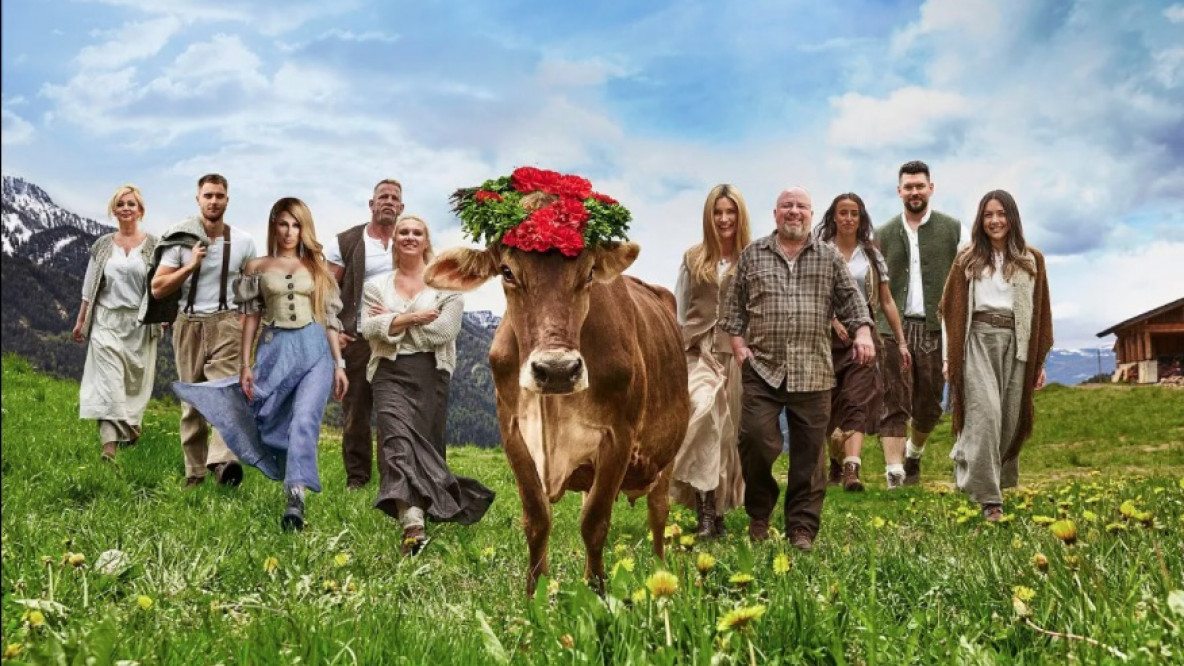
<point x="206" y="576"/>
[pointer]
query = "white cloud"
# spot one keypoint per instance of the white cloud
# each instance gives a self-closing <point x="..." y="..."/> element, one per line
<point x="131" y="42"/>
<point x="1174" y="13"/>
<point x="1169" y="67"/>
<point x="913" y="117"/>
<point x="368" y="36"/>
<point x="15" y="130"/>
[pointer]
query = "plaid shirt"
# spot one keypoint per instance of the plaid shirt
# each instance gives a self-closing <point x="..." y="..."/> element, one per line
<point x="783" y="309"/>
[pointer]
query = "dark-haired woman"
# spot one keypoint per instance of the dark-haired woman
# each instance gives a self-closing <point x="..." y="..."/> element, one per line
<point x="270" y="415"/>
<point x="998" y="326"/>
<point x="707" y="473"/>
<point x="858" y="392"/>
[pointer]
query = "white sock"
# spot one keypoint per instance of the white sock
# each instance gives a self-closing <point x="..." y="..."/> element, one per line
<point x="409" y="516"/>
<point x="853" y="459"/>
<point x="894" y="468"/>
<point x="912" y="450"/>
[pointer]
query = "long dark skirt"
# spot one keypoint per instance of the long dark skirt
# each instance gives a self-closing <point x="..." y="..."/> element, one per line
<point x="408" y="408"/>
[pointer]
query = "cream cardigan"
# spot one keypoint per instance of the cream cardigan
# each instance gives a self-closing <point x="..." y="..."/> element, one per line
<point x="439" y="335"/>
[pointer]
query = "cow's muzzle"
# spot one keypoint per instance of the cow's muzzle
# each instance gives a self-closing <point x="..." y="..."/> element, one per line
<point x="554" y="372"/>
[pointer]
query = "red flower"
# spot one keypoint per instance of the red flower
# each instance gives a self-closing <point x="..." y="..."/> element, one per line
<point x="559" y="226"/>
<point x="483" y="196"/>
<point x="530" y="179"/>
<point x="604" y="199"/>
<point x="573" y="186"/>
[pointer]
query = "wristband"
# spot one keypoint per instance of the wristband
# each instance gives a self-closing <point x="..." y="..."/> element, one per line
<point x="340" y="363"/>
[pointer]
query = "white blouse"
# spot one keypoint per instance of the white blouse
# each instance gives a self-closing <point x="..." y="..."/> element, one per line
<point x="124" y="278"/>
<point x="993" y="292"/>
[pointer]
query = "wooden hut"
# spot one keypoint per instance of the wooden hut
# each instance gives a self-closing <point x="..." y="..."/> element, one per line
<point x="1150" y="344"/>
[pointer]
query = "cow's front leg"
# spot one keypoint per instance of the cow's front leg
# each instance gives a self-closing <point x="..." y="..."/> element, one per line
<point x="657" y="504"/>
<point x="536" y="510"/>
<point x="598" y="505"/>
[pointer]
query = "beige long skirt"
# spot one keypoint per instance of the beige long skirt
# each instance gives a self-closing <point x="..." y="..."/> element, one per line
<point x="708" y="459"/>
<point x="119" y="372"/>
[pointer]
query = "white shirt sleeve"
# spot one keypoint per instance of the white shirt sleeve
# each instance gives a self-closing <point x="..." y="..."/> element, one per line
<point x="173" y="257"/>
<point x="248" y="254"/>
<point x="964" y="239"/>
<point x="332" y="250"/>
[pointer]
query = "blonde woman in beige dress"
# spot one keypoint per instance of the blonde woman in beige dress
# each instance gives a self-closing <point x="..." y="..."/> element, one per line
<point x="121" y="353"/>
<point x="707" y="473"/>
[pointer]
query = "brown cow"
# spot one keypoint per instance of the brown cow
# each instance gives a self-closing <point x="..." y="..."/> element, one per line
<point x="591" y="385"/>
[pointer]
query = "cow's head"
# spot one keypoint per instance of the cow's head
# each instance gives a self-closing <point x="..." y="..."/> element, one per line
<point x="547" y="297"/>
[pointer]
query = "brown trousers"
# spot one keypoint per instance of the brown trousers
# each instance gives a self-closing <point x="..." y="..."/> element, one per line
<point x="206" y="347"/>
<point x="760" y="443"/>
<point x="357" y="444"/>
<point x="915" y="394"/>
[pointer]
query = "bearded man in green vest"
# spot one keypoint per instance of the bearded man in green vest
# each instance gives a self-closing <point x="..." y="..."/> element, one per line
<point x="919" y="246"/>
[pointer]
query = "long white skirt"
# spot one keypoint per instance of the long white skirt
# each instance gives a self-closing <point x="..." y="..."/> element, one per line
<point x="119" y="372"/>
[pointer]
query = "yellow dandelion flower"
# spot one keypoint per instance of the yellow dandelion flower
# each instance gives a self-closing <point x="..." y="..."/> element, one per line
<point x="1021" y="609"/>
<point x="1043" y="520"/>
<point x="35" y="618"/>
<point x="1073" y="561"/>
<point x="704" y="562"/>
<point x="13" y="650"/>
<point x="1116" y="527"/>
<point x="1143" y="517"/>
<point x="620" y="549"/>
<point x="552" y="587"/>
<point x="627" y="564"/>
<point x="662" y="584"/>
<point x="687" y="540"/>
<point x="1007" y="518"/>
<point x="1095" y="472"/>
<point x="740" y="618"/>
<point x="673" y="531"/>
<point x="1089" y="515"/>
<point x="341" y="559"/>
<point x="487" y="552"/>
<point x="1023" y="593"/>
<point x="144" y="602"/>
<point x="741" y="579"/>
<point x="878" y="522"/>
<point x="351" y="587"/>
<point x="567" y="641"/>
<point x="1128" y="509"/>
<point x="781" y="564"/>
<point x="1016" y="543"/>
<point x="1064" y="530"/>
<point x="330" y="586"/>
<point x="270" y="565"/>
<point x="76" y="559"/>
<point x="638" y="595"/>
<point x="1040" y="561"/>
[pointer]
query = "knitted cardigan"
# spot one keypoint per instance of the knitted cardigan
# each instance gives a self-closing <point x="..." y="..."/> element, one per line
<point x="956" y="304"/>
<point x="100" y="252"/>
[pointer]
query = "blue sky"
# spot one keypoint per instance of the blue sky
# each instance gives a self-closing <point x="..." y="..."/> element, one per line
<point x="1077" y="108"/>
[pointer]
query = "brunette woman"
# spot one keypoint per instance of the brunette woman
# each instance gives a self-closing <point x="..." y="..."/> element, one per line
<point x="998" y="326"/>
<point x="857" y="397"/>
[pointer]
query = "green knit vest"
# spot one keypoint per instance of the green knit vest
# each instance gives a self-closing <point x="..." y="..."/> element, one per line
<point x="938" y="240"/>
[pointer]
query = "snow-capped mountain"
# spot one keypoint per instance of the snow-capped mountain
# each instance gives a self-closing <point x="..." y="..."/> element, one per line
<point x="37" y="229"/>
<point x="1073" y="366"/>
<point x="484" y="318"/>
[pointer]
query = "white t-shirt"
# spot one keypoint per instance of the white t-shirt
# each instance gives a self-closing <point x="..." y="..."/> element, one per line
<point x="242" y="250"/>
<point x="380" y="260"/>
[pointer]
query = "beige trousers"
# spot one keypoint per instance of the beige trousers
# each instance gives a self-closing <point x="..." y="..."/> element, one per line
<point x="206" y="347"/>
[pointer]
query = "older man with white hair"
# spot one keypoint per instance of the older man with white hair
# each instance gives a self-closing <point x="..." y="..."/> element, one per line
<point x="787" y="288"/>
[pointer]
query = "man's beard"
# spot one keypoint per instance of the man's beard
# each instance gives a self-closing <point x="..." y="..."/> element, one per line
<point x="794" y="234"/>
<point x="916" y="206"/>
<point x="386" y="220"/>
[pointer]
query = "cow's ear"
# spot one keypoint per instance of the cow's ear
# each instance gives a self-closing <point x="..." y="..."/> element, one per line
<point x="613" y="258"/>
<point x="461" y="269"/>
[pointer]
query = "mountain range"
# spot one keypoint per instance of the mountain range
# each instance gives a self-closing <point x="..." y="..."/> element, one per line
<point x="45" y="250"/>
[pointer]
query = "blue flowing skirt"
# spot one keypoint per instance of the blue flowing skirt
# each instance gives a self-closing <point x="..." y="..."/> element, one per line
<point x="277" y="432"/>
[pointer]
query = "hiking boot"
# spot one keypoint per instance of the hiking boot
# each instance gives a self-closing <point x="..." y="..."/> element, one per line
<point x="851" y="482"/>
<point x="992" y="513"/>
<point x="228" y="473"/>
<point x="835" y="478"/>
<point x="705" y="507"/>
<point x="415" y="539"/>
<point x="912" y="471"/>
<point x="800" y="538"/>
<point x="758" y="530"/>
<point x="895" y="480"/>
<point x="293" y="519"/>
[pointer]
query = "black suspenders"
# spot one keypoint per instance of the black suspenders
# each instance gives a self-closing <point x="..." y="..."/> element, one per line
<point x="225" y="272"/>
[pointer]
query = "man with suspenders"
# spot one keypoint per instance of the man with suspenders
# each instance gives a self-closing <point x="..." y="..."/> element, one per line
<point x="207" y="334"/>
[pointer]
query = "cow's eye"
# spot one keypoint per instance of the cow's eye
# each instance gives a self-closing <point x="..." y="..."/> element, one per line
<point x="507" y="273"/>
<point x="591" y="273"/>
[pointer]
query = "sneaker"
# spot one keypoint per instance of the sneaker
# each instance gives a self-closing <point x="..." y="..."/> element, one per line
<point x="912" y="471"/>
<point x="415" y="539"/>
<point x="992" y="513"/>
<point x="800" y="538"/>
<point x="293" y="519"/>
<point x="758" y="530"/>
<point x="895" y="480"/>
<point x="835" y="478"/>
<point x="228" y="473"/>
<point x="851" y="482"/>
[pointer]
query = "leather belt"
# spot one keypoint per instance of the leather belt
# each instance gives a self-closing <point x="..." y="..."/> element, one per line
<point x="994" y="319"/>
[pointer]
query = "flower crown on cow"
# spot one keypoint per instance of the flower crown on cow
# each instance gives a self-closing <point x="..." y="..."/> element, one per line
<point x="571" y="216"/>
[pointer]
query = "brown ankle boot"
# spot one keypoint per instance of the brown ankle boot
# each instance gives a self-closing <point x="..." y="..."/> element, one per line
<point x="705" y="506"/>
<point x="851" y="482"/>
<point x="835" y="477"/>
